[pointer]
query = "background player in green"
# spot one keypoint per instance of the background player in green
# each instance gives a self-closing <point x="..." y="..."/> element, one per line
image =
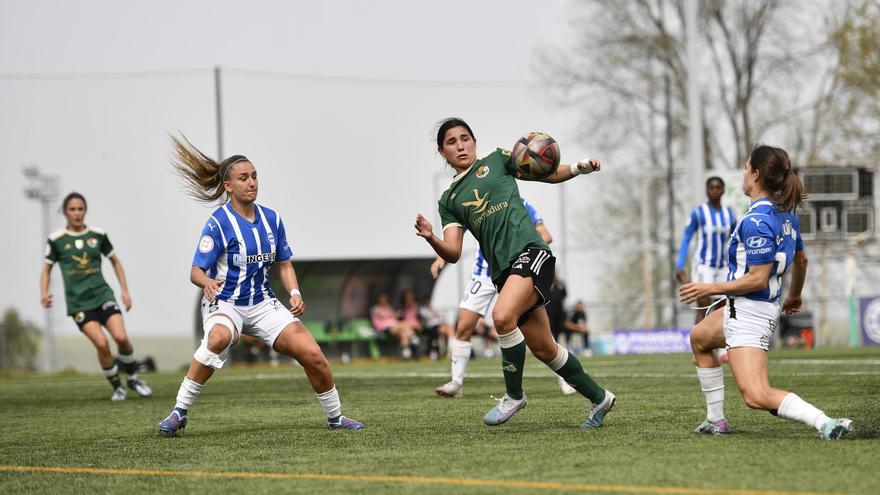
<point x="90" y="302"/>
<point x="484" y="198"/>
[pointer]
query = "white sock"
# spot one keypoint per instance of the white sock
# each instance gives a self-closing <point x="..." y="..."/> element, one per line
<point x="111" y="371"/>
<point x="712" y="383"/>
<point x="187" y="393"/>
<point x="459" y="356"/>
<point x="330" y="402"/>
<point x="797" y="409"/>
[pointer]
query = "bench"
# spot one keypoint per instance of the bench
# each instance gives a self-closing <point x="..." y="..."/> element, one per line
<point x="349" y="331"/>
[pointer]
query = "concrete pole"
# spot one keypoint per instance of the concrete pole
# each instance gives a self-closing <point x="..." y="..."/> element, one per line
<point x="695" y="110"/>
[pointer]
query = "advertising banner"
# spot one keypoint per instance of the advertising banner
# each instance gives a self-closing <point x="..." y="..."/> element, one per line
<point x="869" y="316"/>
<point x="652" y="340"/>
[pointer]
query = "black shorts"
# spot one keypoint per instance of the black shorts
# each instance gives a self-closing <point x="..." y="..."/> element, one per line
<point x="100" y="314"/>
<point x="540" y="265"/>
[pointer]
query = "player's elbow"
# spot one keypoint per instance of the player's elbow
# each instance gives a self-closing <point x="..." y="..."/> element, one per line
<point x="194" y="275"/>
<point x="452" y="257"/>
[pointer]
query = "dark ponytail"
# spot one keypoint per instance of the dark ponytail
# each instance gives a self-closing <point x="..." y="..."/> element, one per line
<point x="793" y="192"/>
<point x="777" y="176"/>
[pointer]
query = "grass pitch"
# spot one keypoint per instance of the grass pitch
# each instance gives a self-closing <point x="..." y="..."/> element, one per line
<point x="262" y="431"/>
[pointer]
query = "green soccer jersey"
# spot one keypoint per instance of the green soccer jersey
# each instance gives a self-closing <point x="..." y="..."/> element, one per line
<point x="484" y="199"/>
<point x="79" y="257"/>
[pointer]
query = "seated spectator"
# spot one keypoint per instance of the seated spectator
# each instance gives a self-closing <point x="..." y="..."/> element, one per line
<point x="434" y="326"/>
<point x="384" y="320"/>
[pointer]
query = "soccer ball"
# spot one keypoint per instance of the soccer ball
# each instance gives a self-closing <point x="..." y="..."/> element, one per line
<point x="535" y="156"/>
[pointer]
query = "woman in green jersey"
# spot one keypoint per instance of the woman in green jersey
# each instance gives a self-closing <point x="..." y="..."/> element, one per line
<point x="484" y="198"/>
<point x="77" y="249"/>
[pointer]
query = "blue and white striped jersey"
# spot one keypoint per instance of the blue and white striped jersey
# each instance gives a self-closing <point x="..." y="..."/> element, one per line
<point x="715" y="227"/>
<point x="481" y="266"/>
<point x="765" y="235"/>
<point x="240" y="252"/>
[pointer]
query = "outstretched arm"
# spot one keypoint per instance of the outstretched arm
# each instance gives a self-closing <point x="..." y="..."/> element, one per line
<point x="566" y="172"/>
<point x="120" y="275"/>
<point x="448" y="248"/>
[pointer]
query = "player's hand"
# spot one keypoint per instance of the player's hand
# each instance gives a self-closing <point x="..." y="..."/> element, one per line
<point x="436" y="266"/>
<point x="792" y="304"/>
<point x="46" y="300"/>
<point x="689" y="293"/>
<point x="212" y="288"/>
<point x="680" y="276"/>
<point x="126" y="300"/>
<point x="297" y="306"/>
<point x="588" y="165"/>
<point x="424" y="227"/>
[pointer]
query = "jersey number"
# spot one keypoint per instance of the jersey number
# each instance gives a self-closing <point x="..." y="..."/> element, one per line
<point x="776" y="281"/>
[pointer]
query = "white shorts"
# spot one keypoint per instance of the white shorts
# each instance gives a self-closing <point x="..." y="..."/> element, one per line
<point x="749" y="323"/>
<point x="703" y="274"/>
<point x="478" y="296"/>
<point x="264" y="321"/>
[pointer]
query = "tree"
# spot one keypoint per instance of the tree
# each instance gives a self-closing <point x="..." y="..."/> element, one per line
<point x="19" y="342"/>
<point x="857" y="44"/>
<point x="757" y="69"/>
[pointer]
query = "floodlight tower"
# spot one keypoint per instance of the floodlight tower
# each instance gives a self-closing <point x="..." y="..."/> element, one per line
<point x="44" y="188"/>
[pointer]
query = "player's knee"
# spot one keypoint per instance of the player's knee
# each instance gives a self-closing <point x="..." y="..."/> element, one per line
<point x="313" y="359"/>
<point x="103" y="349"/>
<point x="505" y="320"/>
<point x="699" y="342"/>
<point x="463" y="332"/>
<point x="545" y="355"/>
<point x="219" y="338"/>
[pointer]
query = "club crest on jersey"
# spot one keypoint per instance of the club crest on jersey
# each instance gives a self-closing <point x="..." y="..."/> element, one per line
<point x="482" y="171"/>
<point x="92" y="242"/>
<point x="206" y="244"/>
<point x="78" y="243"/>
<point x="271" y="238"/>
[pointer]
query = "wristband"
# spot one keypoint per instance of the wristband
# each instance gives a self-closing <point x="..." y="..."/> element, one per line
<point x="295" y="292"/>
<point x="575" y="170"/>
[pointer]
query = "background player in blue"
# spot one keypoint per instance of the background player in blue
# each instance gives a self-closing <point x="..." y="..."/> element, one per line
<point x="764" y="245"/>
<point x="477" y="302"/>
<point x="713" y="225"/>
<point x="239" y="243"/>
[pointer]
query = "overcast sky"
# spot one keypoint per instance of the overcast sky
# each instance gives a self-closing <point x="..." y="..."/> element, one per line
<point x="347" y="162"/>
